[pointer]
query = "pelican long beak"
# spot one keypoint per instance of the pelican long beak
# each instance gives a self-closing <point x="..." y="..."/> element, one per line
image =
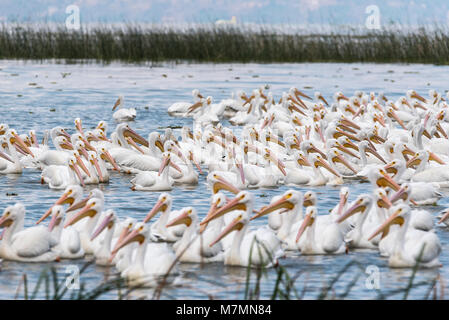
<point x="400" y="194"/>
<point x="385" y="227"/>
<point x="419" y="97"/>
<point x="97" y="167"/>
<point x="78" y="205"/>
<point x="125" y="232"/>
<point x="159" y="206"/>
<point x="83" y="152"/>
<point x="66" y="145"/>
<point x="384" y="202"/>
<point x="342" y="160"/>
<point x="391" y="169"/>
<point x="350" y="136"/>
<point x="164" y="164"/>
<point x="211" y="212"/>
<point x="133" y="236"/>
<point x="197" y="165"/>
<point x="183" y="218"/>
<point x="342" y="203"/>
<point x="346" y="150"/>
<point x="275" y="139"/>
<point x="55" y="221"/>
<point x="105" y="155"/>
<point x="376" y="154"/>
<point x="87" y="211"/>
<point x="279" y="163"/>
<point x="444" y="217"/>
<point x="315" y="149"/>
<point x="62" y="200"/>
<point x="80" y="163"/>
<point x="131" y="142"/>
<point x="324" y="100"/>
<point x="321" y="163"/>
<point x="387" y="181"/>
<point x="78" y="173"/>
<point x="357" y="207"/>
<point x="116" y="104"/>
<point x="441" y="130"/>
<point x="5" y="156"/>
<point x="236" y="224"/>
<point x="434" y="157"/>
<point x="223" y="184"/>
<point x="195" y="106"/>
<point x="136" y="137"/>
<point x="307" y="222"/>
<point x="79" y="127"/>
<point x="34" y="140"/>
<point x="22" y="144"/>
<point x="303" y="161"/>
<point x="107" y="222"/>
<point x="5" y="221"/>
<point x="232" y="205"/>
<point x="345" y="121"/>
<point x="395" y="116"/>
<point x="242" y="173"/>
<point x="302" y="94"/>
<point x="282" y="203"/>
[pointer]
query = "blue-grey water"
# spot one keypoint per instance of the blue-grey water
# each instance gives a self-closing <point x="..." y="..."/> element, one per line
<point x="43" y="95"/>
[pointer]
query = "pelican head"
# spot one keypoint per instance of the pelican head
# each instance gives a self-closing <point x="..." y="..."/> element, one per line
<point x="288" y="201"/>
<point x="362" y="204"/>
<point x="163" y="204"/>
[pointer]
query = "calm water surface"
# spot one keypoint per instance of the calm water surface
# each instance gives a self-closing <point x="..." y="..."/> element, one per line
<point x="42" y="95"/>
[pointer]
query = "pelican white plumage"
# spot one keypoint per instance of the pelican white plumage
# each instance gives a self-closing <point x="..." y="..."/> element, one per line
<point x="33" y="244"/>
<point x="192" y="247"/>
<point x="151" y="260"/>
<point x="68" y="240"/>
<point x="159" y="228"/>
<point x="322" y="235"/>
<point x="122" y="114"/>
<point x="249" y="247"/>
<point x="423" y="249"/>
<point x="150" y="180"/>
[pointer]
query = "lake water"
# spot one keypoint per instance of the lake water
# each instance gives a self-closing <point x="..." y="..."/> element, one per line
<point x="43" y="95"/>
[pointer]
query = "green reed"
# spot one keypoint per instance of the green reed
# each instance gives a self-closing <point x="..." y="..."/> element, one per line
<point x="135" y="43"/>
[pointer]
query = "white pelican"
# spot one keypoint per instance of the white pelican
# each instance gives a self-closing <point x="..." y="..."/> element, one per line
<point x="322" y="236"/>
<point x="68" y="240"/>
<point x="92" y="211"/>
<point x="59" y="177"/>
<point x="258" y="247"/>
<point x="159" y="228"/>
<point x="9" y="161"/>
<point x="151" y="260"/>
<point x="423" y="249"/>
<point x="26" y="245"/>
<point x="192" y="247"/>
<point x="150" y="180"/>
<point x="103" y="252"/>
<point x="122" y="114"/>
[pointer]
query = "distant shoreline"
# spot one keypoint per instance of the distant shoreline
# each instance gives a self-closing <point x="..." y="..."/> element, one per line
<point x="136" y="44"/>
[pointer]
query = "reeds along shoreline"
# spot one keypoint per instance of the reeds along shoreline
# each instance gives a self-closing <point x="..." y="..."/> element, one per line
<point x="235" y="44"/>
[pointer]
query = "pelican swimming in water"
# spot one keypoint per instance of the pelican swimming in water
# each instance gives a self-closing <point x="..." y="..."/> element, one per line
<point x="34" y="244"/>
<point x="122" y="114"/>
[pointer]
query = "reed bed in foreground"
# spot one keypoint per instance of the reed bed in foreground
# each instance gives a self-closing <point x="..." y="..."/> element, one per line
<point x="134" y="43"/>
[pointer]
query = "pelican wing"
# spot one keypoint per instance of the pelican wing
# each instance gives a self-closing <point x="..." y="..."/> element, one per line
<point x="32" y="242"/>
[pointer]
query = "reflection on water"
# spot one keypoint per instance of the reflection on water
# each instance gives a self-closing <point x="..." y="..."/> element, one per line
<point x="89" y="92"/>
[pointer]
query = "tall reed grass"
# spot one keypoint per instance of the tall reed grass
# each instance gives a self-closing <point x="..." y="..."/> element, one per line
<point x="135" y="43"/>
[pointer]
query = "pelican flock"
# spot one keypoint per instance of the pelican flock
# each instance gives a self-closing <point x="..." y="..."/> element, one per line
<point x="401" y="148"/>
